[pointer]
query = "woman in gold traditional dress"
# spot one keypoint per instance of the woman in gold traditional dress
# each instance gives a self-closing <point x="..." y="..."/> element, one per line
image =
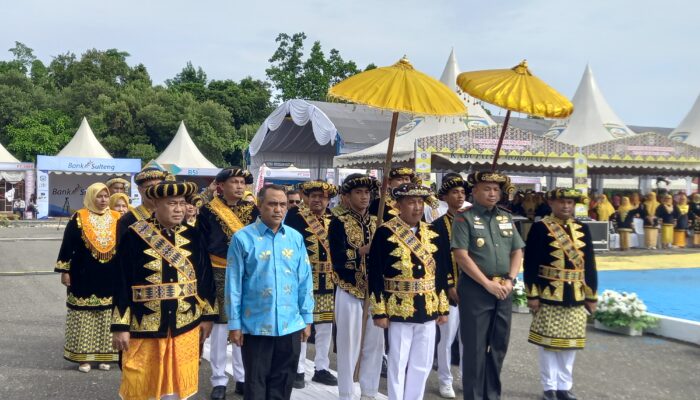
<point x="86" y="263"/>
<point x="604" y="209"/>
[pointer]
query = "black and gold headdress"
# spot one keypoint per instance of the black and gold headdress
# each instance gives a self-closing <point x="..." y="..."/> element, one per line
<point x="150" y="174"/>
<point x="572" y="194"/>
<point x="354" y="181"/>
<point x="403" y="171"/>
<point x="234" y="171"/>
<point x="171" y="189"/>
<point x="450" y="183"/>
<point x="328" y="189"/>
<point x="411" y="190"/>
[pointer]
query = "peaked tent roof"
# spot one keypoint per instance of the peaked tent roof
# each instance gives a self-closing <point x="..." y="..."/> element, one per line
<point x="420" y="127"/>
<point x="6" y="156"/>
<point x="84" y="144"/>
<point x="476" y="115"/>
<point x="593" y="121"/>
<point x="183" y="152"/>
<point x="688" y="131"/>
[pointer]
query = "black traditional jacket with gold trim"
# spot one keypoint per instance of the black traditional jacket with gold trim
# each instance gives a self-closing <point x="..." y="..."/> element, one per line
<point x="443" y="227"/>
<point x="559" y="264"/>
<point x="134" y="214"/>
<point x="694" y="215"/>
<point x="315" y="233"/>
<point x="390" y="209"/>
<point x="347" y="233"/>
<point x="165" y="285"/>
<point x="407" y="276"/>
<point x="87" y="254"/>
<point x="218" y="225"/>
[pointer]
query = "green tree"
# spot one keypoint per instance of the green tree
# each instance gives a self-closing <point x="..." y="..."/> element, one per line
<point x="286" y="66"/>
<point x="309" y="79"/>
<point x="41" y="132"/>
<point x="24" y="56"/>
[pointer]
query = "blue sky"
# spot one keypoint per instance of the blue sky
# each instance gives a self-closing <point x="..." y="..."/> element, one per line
<point x="643" y="53"/>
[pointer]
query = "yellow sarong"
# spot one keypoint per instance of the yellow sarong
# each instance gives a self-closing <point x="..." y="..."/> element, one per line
<point x="666" y="234"/>
<point x="153" y="368"/>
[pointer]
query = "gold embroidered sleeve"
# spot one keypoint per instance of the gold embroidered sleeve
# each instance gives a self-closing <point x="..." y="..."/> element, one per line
<point x="121" y="322"/>
<point x="532" y="291"/>
<point x="208" y="310"/>
<point x="590" y="294"/>
<point x="377" y="308"/>
<point x="62" y="266"/>
<point x="444" y="305"/>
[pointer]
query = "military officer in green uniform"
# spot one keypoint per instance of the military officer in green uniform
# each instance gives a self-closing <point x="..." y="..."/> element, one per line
<point x="488" y="250"/>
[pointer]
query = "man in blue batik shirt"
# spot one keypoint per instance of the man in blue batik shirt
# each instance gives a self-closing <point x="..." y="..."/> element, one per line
<point x="269" y="298"/>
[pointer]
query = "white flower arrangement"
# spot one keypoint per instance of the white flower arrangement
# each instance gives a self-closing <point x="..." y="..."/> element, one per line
<point x="519" y="296"/>
<point x="624" y="309"/>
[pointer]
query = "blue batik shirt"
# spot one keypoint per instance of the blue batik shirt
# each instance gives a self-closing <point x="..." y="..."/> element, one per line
<point x="269" y="286"/>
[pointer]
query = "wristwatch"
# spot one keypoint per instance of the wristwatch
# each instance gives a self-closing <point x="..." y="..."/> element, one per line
<point x="513" y="280"/>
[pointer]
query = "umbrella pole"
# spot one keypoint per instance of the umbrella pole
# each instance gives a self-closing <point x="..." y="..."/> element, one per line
<point x="500" y="141"/>
<point x="380" y="216"/>
<point x="387" y="166"/>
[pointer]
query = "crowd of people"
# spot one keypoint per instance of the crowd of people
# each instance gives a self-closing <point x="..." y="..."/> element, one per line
<point x="147" y="285"/>
<point x="668" y="219"/>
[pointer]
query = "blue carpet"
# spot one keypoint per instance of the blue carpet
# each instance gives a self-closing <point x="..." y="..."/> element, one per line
<point x="671" y="292"/>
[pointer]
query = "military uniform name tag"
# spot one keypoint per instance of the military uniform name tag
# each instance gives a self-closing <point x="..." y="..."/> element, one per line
<point x="507" y="225"/>
<point x="479" y="227"/>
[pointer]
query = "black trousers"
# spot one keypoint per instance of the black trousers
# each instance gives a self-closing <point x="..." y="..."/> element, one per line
<point x="270" y="364"/>
<point x="485" y="331"/>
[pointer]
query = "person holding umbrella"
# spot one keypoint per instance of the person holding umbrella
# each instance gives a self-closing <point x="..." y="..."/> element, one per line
<point x="488" y="250"/>
<point x="349" y="236"/>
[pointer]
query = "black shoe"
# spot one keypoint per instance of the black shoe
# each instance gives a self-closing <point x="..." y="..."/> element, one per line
<point x="218" y="393"/>
<point x="549" y="395"/>
<point x="239" y="388"/>
<point x="565" y="395"/>
<point x="299" y="381"/>
<point x="384" y="367"/>
<point x="325" y="377"/>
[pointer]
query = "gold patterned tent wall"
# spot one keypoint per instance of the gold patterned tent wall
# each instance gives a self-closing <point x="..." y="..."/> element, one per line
<point x="522" y="151"/>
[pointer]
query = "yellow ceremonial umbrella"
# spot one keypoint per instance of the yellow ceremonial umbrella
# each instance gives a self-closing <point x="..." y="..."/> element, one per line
<point x="515" y="89"/>
<point x="398" y="88"/>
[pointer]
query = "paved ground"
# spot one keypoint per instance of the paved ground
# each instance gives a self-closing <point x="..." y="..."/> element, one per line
<point x="32" y="322"/>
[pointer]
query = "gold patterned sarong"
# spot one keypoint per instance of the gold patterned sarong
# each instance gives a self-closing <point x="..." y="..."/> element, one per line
<point x="153" y="368"/>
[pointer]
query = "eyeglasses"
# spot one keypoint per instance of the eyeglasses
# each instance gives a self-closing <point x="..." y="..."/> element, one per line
<point x="294" y="201"/>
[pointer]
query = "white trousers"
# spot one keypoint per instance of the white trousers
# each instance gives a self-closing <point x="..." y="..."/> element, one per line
<point x="557" y="369"/>
<point x="411" y="349"/>
<point x="322" y="341"/>
<point x="348" y="316"/>
<point x="218" y="357"/>
<point x="448" y="331"/>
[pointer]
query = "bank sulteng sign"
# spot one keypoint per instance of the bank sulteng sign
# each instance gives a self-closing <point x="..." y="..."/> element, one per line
<point x="62" y="181"/>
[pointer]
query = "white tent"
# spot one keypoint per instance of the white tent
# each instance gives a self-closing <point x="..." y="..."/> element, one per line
<point x="309" y="134"/>
<point x="476" y="115"/>
<point x="84" y="144"/>
<point x="419" y="127"/>
<point x="593" y="121"/>
<point x="183" y="153"/>
<point x="6" y="157"/>
<point x="688" y="131"/>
